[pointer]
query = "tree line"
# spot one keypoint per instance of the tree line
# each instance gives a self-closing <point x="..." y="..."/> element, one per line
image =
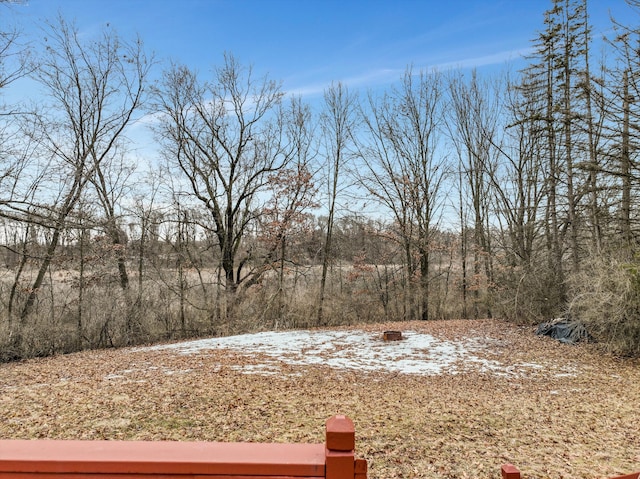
<point x="446" y="195"/>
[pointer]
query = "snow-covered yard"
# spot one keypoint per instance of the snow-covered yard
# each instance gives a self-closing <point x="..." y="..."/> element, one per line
<point x="417" y="353"/>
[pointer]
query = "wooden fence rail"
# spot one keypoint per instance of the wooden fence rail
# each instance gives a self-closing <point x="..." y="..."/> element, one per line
<point x="70" y="459"/>
<point x="509" y="471"/>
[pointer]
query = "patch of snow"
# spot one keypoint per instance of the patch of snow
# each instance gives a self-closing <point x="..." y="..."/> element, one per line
<point x="170" y="372"/>
<point x="417" y="353"/>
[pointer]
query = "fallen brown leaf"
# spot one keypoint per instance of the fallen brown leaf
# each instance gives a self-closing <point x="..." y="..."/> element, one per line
<point x="549" y="423"/>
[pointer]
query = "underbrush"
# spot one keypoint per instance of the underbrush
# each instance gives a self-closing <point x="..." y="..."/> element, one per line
<point x="178" y="304"/>
<point x="606" y="298"/>
<point x="71" y="315"/>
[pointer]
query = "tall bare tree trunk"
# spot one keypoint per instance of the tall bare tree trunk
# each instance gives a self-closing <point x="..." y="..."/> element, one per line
<point x="625" y="167"/>
<point x="337" y="125"/>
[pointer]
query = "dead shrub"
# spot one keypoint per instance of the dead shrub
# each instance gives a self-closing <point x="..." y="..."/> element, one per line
<point x="605" y="296"/>
<point x="529" y="294"/>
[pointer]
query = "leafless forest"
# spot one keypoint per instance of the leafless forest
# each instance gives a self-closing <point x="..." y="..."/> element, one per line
<point x="447" y="195"/>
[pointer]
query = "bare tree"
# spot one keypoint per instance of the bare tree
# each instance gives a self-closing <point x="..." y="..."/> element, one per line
<point x="518" y="186"/>
<point x="224" y="138"/>
<point x="15" y="151"/>
<point x="13" y="58"/>
<point x="518" y="181"/>
<point x="538" y="88"/>
<point x="337" y="122"/>
<point x="94" y="88"/>
<point x="474" y="129"/>
<point x="590" y="88"/>
<point x="404" y="171"/>
<point x="575" y="38"/>
<point x="623" y="115"/>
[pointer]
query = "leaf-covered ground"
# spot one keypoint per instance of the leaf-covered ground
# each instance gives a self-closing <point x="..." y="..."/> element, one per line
<point x="571" y="414"/>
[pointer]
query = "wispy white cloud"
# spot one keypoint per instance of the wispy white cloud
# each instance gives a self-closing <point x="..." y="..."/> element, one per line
<point x="499" y="58"/>
<point x="366" y="79"/>
<point x="385" y="76"/>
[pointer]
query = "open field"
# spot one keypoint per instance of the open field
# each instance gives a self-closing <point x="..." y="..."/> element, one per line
<point x="501" y="395"/>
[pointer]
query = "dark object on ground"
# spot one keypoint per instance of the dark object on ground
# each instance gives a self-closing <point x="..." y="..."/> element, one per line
<point x="392" y="335"/>
<point x="564" y="330"/>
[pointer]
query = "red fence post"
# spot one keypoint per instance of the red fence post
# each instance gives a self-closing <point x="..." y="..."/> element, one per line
<point x="340" y="448"/>
<point x="361" y="469"/>
<point x="509" y="471"/>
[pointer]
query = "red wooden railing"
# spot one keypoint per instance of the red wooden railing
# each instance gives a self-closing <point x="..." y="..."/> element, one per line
<point x="509" y="471"/>
<point x="69" y="459"/>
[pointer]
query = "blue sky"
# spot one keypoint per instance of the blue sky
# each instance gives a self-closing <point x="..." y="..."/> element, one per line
<point x="307" y="44"/>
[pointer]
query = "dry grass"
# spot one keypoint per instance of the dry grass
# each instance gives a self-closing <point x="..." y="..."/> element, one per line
<point x="466" y="425"/>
